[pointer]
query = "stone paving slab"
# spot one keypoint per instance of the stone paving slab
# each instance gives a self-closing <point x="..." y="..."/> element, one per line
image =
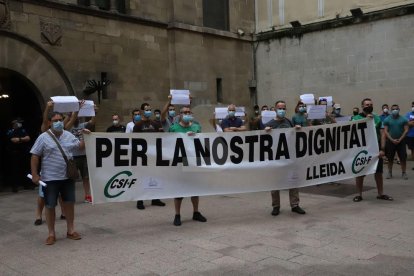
<point x="335" y="237"/>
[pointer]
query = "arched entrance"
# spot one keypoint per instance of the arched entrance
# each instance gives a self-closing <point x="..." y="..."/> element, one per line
<point x="30" y="76"/>
<point x="19" y="98"/>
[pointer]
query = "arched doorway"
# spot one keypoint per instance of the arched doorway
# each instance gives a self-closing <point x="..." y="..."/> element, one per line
<point x="19" y="98"/>
<point x="30" y="76"/>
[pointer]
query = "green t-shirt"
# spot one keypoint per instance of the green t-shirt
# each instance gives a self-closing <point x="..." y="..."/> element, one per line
<point x="395" y="125"/>
<point x="177" y="127"/>
<point x="377" y="122"/>
<point x="299" y="119"/>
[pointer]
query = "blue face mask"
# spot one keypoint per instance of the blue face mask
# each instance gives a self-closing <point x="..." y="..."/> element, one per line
<point x="171" y="113"/>
<point x="232" y="113"/>
<point x="281" y="113"/>
<point x="302" y="109"/>
<point x="395" y="112"/>
<point x="187" y="118"/>
<point x="57" y="126"/>
<point x="137" y="118"/>
<point x="147" y="113"/>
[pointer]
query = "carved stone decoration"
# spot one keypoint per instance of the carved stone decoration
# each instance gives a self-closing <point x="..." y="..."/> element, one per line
<point x="51" y="33"/>
<point x="5" y="22"/>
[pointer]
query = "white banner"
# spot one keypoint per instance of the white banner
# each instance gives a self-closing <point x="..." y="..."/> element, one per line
<point x="138" y="166"/>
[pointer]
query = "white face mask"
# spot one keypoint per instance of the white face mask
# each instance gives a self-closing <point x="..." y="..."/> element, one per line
<point x="385" y="110"/>
<point x="115" y="122"/>
<point x="412" y="109"/>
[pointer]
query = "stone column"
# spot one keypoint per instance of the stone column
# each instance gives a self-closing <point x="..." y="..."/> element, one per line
<point x="113" y="6"/>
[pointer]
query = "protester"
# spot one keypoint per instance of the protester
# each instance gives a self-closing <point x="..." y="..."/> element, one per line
<point x="46" y="152"/>
<point x="328" y="118"/>
<point x="385" y="112"/>
<point x="136" y="116"/>
<point x="396" y="128"/>
<point x="367" y="108"/>
<point x="186" y="125"/>
<point x="157" y="115"/>
<point x="336" y="111"/>
<point x="79" y="155"/>
<point x="168" y="115"/>
<point x="231" y="123"/>
<point x="254" y="123"/>
<point x="147" y="125"/>
<point x="282" y="122"/>
<point x="116" y="125"/>
<point x="410" y="135"/>
<point x="355" y="112"/>
<point x="18" y="155"/>
<point x="300" y="117"/>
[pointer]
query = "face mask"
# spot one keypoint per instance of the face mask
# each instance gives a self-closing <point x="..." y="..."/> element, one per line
<point x="337" y="111"/>
<point x="57" y="126"/>
<point x="281" y="113"/>
<point x="19" y="125"/>
<point x="302" y="109"/>
<point x="395" y="112"/>
<point x="157" y="116"/>
<point x="412" y="109"/>
<point x="115" y="122"/>
<point x="187" y="118"/>
<point x="355" y="113"/>
<point x="171" y="113"/>
<point x="385" y="110"/>
<point x="137" y="118"/>
<point x="256" y="112"/>
<point x="368" y="109"/>
<point x="147" y="113"/>
<point x="232" y="113"/>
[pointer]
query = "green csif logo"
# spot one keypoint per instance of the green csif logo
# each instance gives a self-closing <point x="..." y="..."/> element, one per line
<point x="118" y="184"/>
<point x="361" y="160"/>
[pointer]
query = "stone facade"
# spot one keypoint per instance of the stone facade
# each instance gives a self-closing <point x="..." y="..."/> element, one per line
<point x="373" y="59"/>
<point x="153" y="48"/>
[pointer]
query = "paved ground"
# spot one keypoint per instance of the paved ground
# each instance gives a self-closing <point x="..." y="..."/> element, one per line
<point x="336" y="237"/>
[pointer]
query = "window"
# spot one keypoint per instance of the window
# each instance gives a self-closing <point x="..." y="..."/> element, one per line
<point x="105" y="4"/>
<point x="216" y="14"/>
<point x="219" y="90"/>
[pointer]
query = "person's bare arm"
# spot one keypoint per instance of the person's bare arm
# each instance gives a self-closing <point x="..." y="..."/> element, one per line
<point x="34" y="167"/>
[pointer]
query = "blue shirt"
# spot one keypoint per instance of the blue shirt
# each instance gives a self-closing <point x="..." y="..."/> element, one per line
<point x="231" y="122"/>
<point x="410" y="117"/>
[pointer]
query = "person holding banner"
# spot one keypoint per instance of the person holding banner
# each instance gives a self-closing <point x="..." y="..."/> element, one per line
<point x="232" y="123"/>
<point x="367" y="108"/>
<point x="300" y="117"/>
<point x="186" y="125"/>
<point x="282" y="122"/>
<point x="54" y="173"/>
<point x="147" y="125"/>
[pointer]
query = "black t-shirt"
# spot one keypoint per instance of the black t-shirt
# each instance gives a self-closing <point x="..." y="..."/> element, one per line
<point x="17" y="133"/>
<point x="148" y="126"/>
<point x="285" y="123"/>
<point x="119" y="128"/>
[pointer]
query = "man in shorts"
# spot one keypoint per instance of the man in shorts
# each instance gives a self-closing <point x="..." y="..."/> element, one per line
<point x="45" y="151"/>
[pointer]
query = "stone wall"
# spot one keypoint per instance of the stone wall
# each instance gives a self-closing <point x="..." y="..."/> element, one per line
<point x="373" y="60"/>
<point x="143" y="61"/>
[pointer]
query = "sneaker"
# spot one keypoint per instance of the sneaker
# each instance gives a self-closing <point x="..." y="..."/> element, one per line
<point x="177" y="220"/>
<point x="404" y="176"/>
<point x="275" y="211"/>
<point x="298" y="210"/>
<point x="62" y="217"/>
<point x="199" y="217"/>
<point x="140" y="205"/>
<point x="157" y="202"/>
<point x="389" y="175"/>
<point x="88" y="199"/>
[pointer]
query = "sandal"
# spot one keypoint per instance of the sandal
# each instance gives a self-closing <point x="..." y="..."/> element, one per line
<point x="73" y="236"/>
<point x="357" y="199"/>
<point x="385" y="197"/>
<point x="50" y="240"/>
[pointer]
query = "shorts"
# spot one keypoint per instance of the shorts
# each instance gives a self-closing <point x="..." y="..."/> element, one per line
<point x="82" y="166"/>
<point x="400" y="149"/>
<point x="66" y="189"/>
<point x="410" y="142"/>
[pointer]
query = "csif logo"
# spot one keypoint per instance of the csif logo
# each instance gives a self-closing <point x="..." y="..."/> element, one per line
<point x="118" y="184"/>
<point x="361" y="160"/>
